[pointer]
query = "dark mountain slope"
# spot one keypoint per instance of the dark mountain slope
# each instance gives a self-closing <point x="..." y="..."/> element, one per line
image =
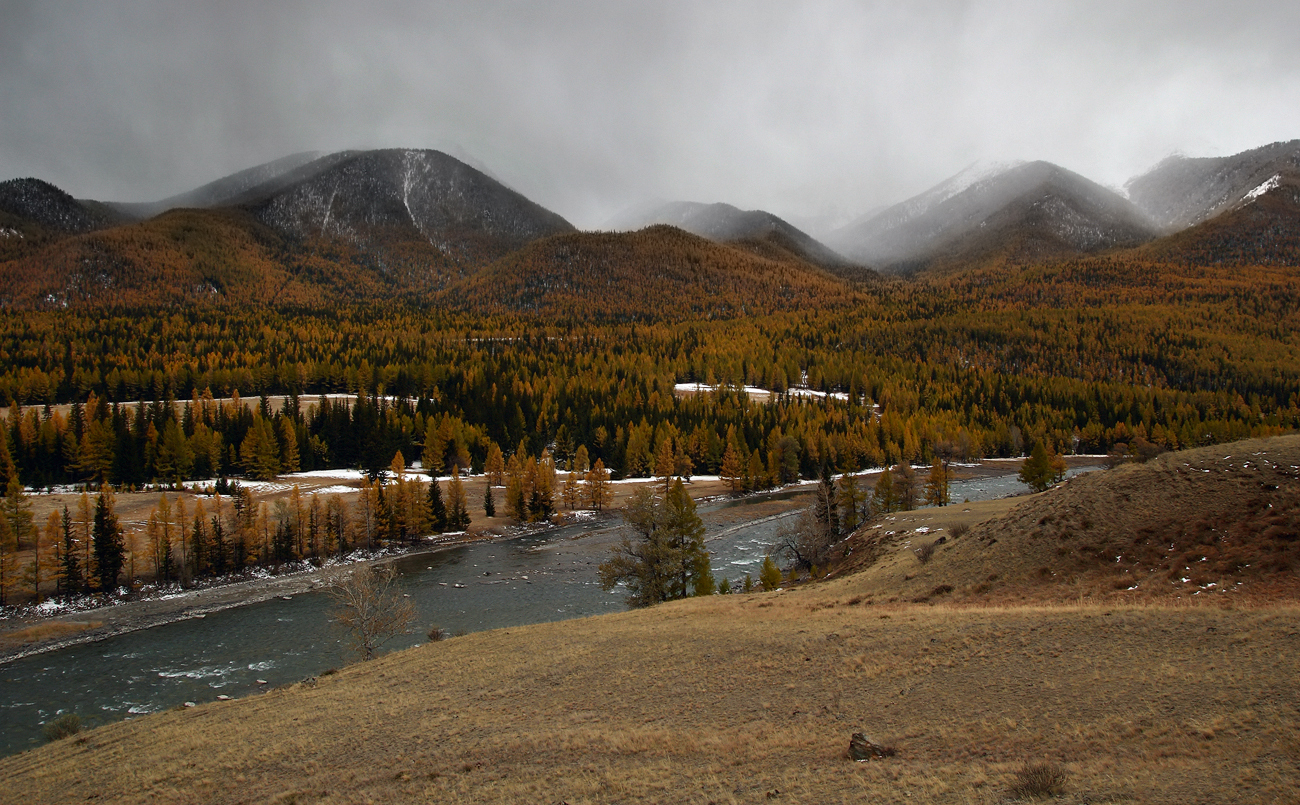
<point x="34" y="214"/>
<point x="723" y="223"/>
<point x="421" y="204"/>
<point x="1182" y="191"/>
<point x="1030" y="212"/>
<point x="656" y="271"/>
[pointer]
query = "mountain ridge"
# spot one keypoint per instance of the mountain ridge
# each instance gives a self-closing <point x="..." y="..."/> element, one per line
<point x="1180" y="191"/>
<point x="726" y="223"/>
<point x="1031" y="210"/>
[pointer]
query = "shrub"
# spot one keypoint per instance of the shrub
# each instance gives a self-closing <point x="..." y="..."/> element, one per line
<point x="64" y="726"/>
<point x="1038" y="781"/>
<point x="926" y="552"/>
<point x="437" y="633"/>
<point x="958" y="529"/>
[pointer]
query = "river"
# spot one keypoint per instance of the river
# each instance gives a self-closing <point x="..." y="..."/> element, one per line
<point x="245" y="650"/>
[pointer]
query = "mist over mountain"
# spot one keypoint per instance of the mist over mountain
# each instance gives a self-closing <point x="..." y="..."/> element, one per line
<point x="223" y="191"/>
<point x="422" y="224"/>
<point x="1024" y="211"/>
<point x="724" y="223"/>
<point x="1182" y="191"/>
<point x="1261" y="229"/>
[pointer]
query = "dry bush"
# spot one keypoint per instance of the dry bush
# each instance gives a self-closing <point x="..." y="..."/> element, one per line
<point x="64" y="726"/>
<point x="958" y="529"/>
<point x="1038" y="781"/>
<point x="926" y="552"/>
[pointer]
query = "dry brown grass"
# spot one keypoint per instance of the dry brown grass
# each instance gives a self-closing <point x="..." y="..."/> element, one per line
<point x="1220" y="522"/>
<point x="727" y="699"/>
<point x="49" y="630"/>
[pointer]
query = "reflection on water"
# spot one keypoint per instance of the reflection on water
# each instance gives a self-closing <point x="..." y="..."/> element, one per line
<point x="250" y="649"/>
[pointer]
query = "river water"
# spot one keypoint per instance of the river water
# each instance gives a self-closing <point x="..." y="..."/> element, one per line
<point x="249" y="649"/>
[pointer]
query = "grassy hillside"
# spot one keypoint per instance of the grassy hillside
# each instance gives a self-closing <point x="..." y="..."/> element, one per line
<point x="751" y="698"/>
<point x="1219" y="523"/>
<point x="734" y="700"/>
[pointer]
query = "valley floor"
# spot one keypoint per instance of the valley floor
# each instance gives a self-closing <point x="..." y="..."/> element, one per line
<point x="743" y="699"/>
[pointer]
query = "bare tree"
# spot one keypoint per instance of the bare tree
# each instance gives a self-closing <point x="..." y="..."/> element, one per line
<point x="807" y="543"/>
<point x="370" y="608"/>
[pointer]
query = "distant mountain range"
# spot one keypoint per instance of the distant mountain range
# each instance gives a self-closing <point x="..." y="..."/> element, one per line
<point x="363" y="224"/>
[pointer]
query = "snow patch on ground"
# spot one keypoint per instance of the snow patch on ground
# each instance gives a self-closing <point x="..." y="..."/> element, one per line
<point x="755" y="391"/>
<point x="1262" y="189"/>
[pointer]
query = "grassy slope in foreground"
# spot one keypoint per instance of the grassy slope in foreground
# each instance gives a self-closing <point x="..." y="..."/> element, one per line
<point x="728" y="699"/>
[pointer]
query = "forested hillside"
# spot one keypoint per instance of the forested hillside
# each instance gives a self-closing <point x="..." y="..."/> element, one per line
<point x="439" y="301"/>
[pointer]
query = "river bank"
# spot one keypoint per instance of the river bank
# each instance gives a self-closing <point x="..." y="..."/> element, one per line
<point x="29" y="634"/>
<point x="34" y="632"/>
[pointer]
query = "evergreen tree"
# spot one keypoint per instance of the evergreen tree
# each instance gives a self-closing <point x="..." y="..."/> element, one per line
<point x="769" y="575"/>
<point x="289" y="456"/>
<point x="667" y="559"/>
<point x="494" y="466"/>
<point x="883" y="499"/>
<point x="826" y="511"/>
<point x="457" y="507"/>
<point x="936" y="486"/>
<point x="18" y="512"/>
<point x="599" y="494"/>
<point x="572" y="491"/>
<point x="220" y="549"/>
<point x="732" y="472"/>
<point x="581" y="460"/>
<point x="72" y="580"/>
<point x="905" y="486"/>
<point x="851" y="500"/>
<point x="8" y="557"/>
<point x="437" y="509"/>
<point x="1042" y="470"/>
<point x="110" y="550"/>
<point x="665" y="462"/>
<point x="489" y="505"/>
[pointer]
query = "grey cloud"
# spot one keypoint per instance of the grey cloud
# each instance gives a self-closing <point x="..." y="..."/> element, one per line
<point x="589" y="107"/>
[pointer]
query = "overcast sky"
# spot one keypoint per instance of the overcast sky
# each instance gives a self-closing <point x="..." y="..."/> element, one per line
<point x="589" y="107"/>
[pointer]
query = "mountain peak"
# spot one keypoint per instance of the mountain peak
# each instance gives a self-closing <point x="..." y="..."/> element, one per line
<point x="410" y="195"/>
<point x="1027" y="210"/>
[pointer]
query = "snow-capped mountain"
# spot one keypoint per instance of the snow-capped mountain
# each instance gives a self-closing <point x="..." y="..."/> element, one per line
<point x="1182" y="191"/>
<point x="1027" y="210"/>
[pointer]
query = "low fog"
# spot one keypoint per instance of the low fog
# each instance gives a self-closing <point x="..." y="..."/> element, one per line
<point x="803" y="109"/>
